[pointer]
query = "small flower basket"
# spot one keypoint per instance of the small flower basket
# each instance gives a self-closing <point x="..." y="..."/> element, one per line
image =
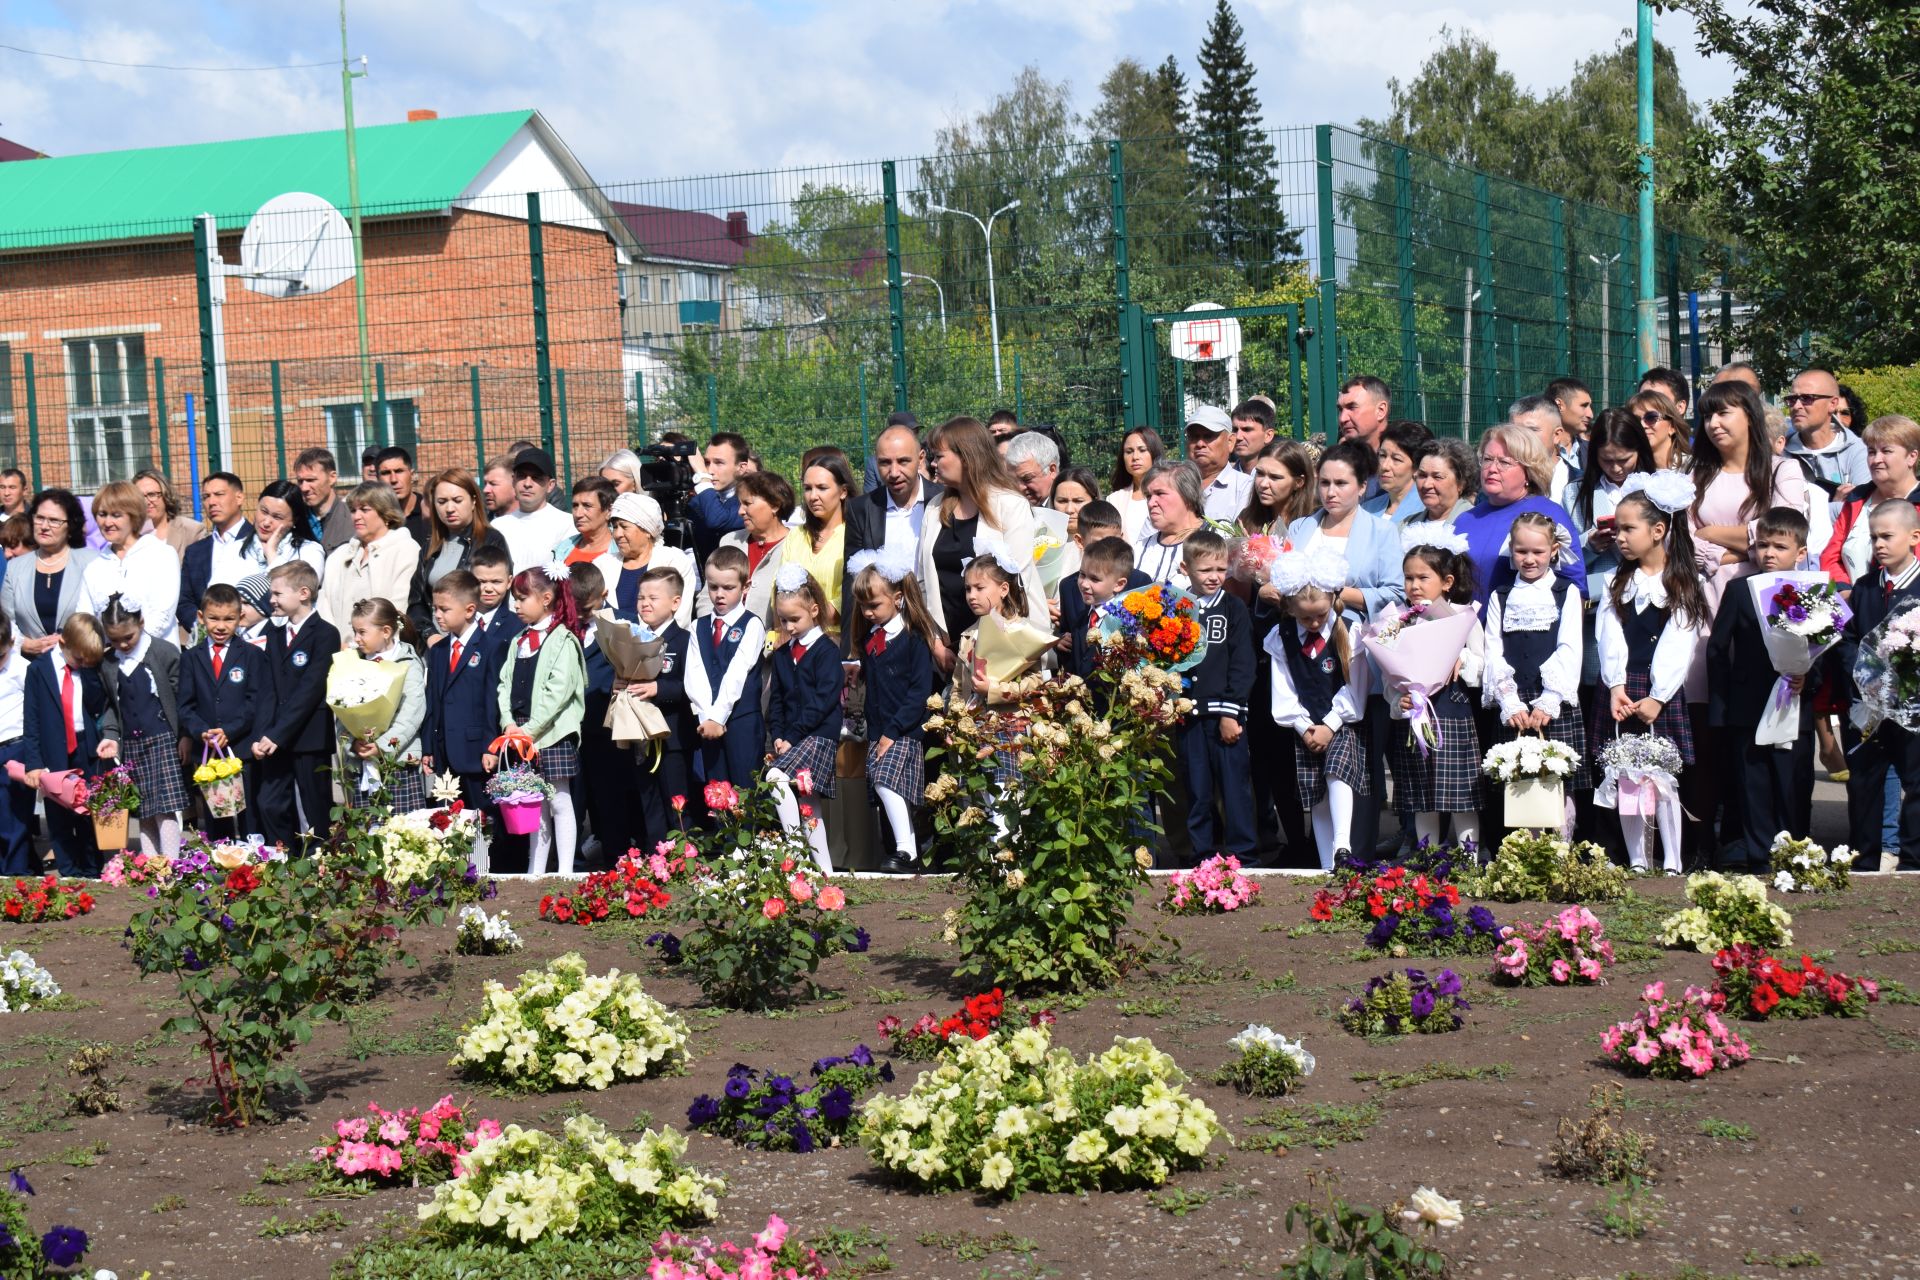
<point x="108" y="800"/>
<point x="218" y="777"/>
<point x="518" y="789"/>
<point x="1534" y="771"/>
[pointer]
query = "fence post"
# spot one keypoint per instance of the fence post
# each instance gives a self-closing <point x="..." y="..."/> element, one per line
<point x="896" y="295"/>
<point x="33" y="421"/>
<point x="379" y="427"/>
<point x="1295" y="405"/>
<point x="279" y="421"/>
<point x="542" y="356"/>
<point x="639" y="407"/>
<point x="1487" y="312"/>
<point x="1562" y="292"/>
<point x="1629" y="252"/>
<point x="1673" y="297"/>
<point x="566" y="435"/>
<point x="160" y="412"/>
<point x="1130" y="356"/>
<point x="1019" y="391"/>
<point x="479" y="432"/>
<point x="1726" y="321"/>
<point x="203" y="250"/>
<point x="1403" y="240"/>
<point x="1324" y="376"/>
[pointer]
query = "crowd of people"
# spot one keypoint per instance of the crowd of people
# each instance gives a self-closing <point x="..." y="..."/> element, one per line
<point x="806" y="629"/>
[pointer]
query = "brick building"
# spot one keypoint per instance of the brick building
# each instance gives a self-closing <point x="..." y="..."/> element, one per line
<point x="101" y="323"/>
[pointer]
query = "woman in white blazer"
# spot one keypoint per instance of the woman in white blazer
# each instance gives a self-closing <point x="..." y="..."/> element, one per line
<point x="377" y="564"/>
<point x="136" y="566"/>
<point x="982" y="504"/>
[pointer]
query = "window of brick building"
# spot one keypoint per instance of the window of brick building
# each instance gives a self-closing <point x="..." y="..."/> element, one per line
<point x="347" y="435"/>
<point x="109" y="423"/>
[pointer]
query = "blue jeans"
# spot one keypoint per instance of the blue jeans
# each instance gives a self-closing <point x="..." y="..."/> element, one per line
<point x="1890" y="817"/>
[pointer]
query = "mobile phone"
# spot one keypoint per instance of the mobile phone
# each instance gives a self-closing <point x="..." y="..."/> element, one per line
<point x="1605" y="522"/>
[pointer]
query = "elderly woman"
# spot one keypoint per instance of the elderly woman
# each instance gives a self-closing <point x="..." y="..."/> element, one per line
<point x="379" y="562"/>
<point x="1515" y="473"/>
<point x="592" y="540"/>
<point x="163" y="511"/>
<point x="982" y="505"/>
<point x="1398" y="499"/>
<point x="622" y="471"/>
<point x="1140" y="452"/>
<point x="637" y="525"/>
<point x="137" y="567"/>
<point x="766" y="504"/>
<point x="1445" y="478"/>
<point x="1175" y="512"/>
<point x="1893" y="454"/>
<point x="457" y="527"/>
<point x="43" y="588"/>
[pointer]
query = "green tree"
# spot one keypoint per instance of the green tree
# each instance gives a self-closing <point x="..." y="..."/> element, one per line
<point x="1811" y="162"/>
<point x="1233" y="156"/>
<point x="1147" y="111"/>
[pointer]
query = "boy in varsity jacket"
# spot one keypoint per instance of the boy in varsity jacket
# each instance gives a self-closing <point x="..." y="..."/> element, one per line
<point x="1213" y="745"/>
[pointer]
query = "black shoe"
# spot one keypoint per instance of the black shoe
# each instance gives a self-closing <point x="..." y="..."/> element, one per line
<point x="895" y="865"/>
<point x="1341" y="857"/>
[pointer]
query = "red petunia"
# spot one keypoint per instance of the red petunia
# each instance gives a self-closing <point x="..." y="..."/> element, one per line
<point x="1764" y="998"/>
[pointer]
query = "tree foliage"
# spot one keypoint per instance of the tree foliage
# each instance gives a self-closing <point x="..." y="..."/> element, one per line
<point x="1811" y="162"/>
<point x="1233" y="156"/>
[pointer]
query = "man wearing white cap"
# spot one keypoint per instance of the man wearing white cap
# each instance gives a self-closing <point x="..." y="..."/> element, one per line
<point x="1223" y="488"/>
<point x="533" y="529"/>
<point x="637" y="525"/>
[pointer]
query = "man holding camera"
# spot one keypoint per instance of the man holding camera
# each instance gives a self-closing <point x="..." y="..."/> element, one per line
<point x="715" y="508"/>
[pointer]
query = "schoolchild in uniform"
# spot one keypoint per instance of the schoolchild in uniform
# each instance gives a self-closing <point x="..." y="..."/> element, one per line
<point x="142" y="676"/>
<point x="542" y="693"/>
<point x="658" y="601"/>
<point x="1440" y="786"/>
<point x="383" y="634"/>
<point x="1891" y="587"/>
<point x="893" y="633"/>
<point x="463" y="708"/>
<point x="293" y="792"/>
<point x="64" y="710"/>
<point x="803" y="706"/>
<point x="1212" y="741"/>
<point x="223" y="691"/>
<point x="726" y="676"/>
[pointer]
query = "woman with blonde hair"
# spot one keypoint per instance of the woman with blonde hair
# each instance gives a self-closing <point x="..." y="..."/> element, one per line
<point x="139" y="568"/>
<point x="163" y="510"/>
<point x="378" y="564"/>
<point x="1515" y="474"/>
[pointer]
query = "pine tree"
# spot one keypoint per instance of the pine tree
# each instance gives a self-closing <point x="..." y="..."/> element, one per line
<point x="1233" y="157"/>
<point x="1170" y="84"/>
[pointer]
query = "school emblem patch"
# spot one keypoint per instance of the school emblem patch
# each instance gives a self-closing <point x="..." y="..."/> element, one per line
<point x="473" y="660"/>
<point x="1327" y="663"/>
<point x="733" y="636"/>
<point x="666" y="663"/>
<point x="237" y="675"/>
<point x="299" y="658"/>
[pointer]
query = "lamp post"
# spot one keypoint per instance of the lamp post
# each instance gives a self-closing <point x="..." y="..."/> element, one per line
<point x="1646" y="324"/>
<point x="1606" y="320"/>
<point x="993" y="310"/>
<point x="914" y="275"/>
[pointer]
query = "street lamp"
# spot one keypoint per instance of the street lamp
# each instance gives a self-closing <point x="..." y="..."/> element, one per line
<point x="914" y="275"/>
<point x="993" y="311"/>
<point x="1606" y="319"/>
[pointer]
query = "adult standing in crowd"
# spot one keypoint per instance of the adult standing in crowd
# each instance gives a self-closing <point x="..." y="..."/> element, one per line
<point x="892" y="512"/>
<point x="136" y="566"/>
<point x="621" y="470"/>
<point x="1035" y="460"/>
<point x="1223" y="489"/>
<point x="1002" y="425"/>
<point x="1073" y="489"/>
<point x="316" y="472"/>
<point x="395" y="470"/>
<point x="378" y="564"/>
<point x="766" y="503"/>
<point x="163" y="512"/>
<point x="638" y="526"/>
<point x="592" y="540"/>
<point x="1737" y="479"/>
<point x="823" y="545"/>
<point x="1574" y="399"/>
<point x="283" y="528"/>
<point x="457" y="527"/>
<point x="1893" y="454"/>
<point x="496" y="486"/>
<point x="1446" y="479"/>
<point x="1516" y="473"/>
<point x="1365" y="406"/>
<point x="1673" y="384"/>
<point x="13" y="492"/>
<point x="533" y="528"/>
<point x="229" y="554"/>
<point x="1666" y="430"/>
<point x="1542" y="417"/>
<point x="44" y="588"/>
<point x="1394" y="495"/>
<point x="981" y="502"/>
<point x="1252" y="431"/>
<point x="1284" y="490"/>
<point x="1834" y="457"/>
<point x="715" y="508"/>
<point x="1140" y="451"/>
<point x="1174" y="514"/>
<point x="871" y="479"/>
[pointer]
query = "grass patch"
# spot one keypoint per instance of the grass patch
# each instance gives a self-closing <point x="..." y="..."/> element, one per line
<point x="435" y="1036"/>
<point x="1432" y="1071"/>
<point x="1273" y="986"/>
<point x="1320" y="1125"/>
<point x="286" y="1175"/>
<point x="1890" y="947"/>
<point x="1178" y="1201"/>
<point x="1798" y="1258"/>
<point x="169" y="1204"/>
<point x="259" y="1200"/>
<point x="1198" y="973"/>
<point x="856" y="1251"/>
<point x="1726" y="1130"/>
<point x="81" y="1155"/>
<point x="886" y="995"/>
<point x="313" y="1224"/>
<point x="1631" y="1210"/>
<point x="968" y="1247"/>
<point x="1892" y="992"/>
<point x="1148" y="1007"/>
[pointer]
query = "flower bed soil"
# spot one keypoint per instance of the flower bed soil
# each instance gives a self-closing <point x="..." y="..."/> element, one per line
<point x="1831" y="1167"/>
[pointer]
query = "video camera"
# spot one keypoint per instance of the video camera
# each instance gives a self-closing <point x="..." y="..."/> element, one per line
<point x="667" y="477"/>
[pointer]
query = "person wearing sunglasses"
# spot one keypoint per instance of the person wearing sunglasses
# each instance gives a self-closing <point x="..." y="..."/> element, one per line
<point x="1834" y="457"/>
<point x="1665" y="429"/>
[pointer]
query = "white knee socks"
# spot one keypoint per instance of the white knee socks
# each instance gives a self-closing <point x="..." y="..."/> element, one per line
<point x="899" y="820"/>
<point x="1333" y="822"/>
<point x="559" y="833"/>
<point x="788" y="806"/>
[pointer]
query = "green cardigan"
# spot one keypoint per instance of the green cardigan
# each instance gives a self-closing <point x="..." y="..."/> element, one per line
<point x="559" y="688"/>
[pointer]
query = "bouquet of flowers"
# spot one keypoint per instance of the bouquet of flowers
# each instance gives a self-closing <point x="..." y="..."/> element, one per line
<point x="24" y="983"/>
<point x="1641" y="779"/>
<point x="1418" y="669"/>
<point x="27" y="900"/>
<point x="1887" y="671"/>
<point x="1250" y="559"/>
<point x="1723" y="911"/>
<point x="1758" y="986"/>
<point x="112" y="792"/>
<point x="636" y="653"/>
<point x="1540" y="866"/>
<point x="1395" y="1004"/>
<point x="411" y="1146"/>
<point x="770" y="1111"/>
<point x="1523" y="758"/>
<point x="1050" y="544"/>
<point x="625" y="887"/>
<point x="770" y="1256"/>
<point x="1569" y="950"/>
<point x="563" y="1027"/>
<point x="518" y="784"/>
<point x="363" y="695"/>
<point x="1266" y="1064"/>
<point x="1675" y="1039"/>
<point x="1155" y="625"/>
<point x="1803" y="615"/>
<point x="218" y="777"/>
<point x="1801" y="866"/>
<point x="428" y="846"/>
<point x="1215" y="885"/>
<point x="483" y="935"/>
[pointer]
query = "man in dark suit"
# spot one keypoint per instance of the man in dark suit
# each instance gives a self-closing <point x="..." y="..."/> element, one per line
<point x="893" y="509"/>
<point x="1891" y="588"/>
<point x="221" y="690"/>
<point x="228" y="553"/>
<point x="296" y="738"/>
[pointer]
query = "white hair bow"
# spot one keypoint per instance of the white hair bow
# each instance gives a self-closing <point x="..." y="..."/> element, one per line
<point x="1671" y="491"/>
<point x="892" y="563"/>
<point x="1432" y="533"/>
<point x="1000" y="553"/>
<point x="792" y="577"/>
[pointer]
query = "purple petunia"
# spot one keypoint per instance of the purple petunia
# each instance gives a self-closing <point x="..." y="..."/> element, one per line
<point x="703" y="1112"/>
<point x="738" y="1087"/>
<point x="802" y="1138"/>
<point x="64" y="1246"/>
<point x="1446" y="983"/>
<point x="1480" y="920"/>
<point x="836" y="1103"/>
<point x="1422" y="1002"/>
<point x="861" y="940"/>
<point x="17" y="1181"/>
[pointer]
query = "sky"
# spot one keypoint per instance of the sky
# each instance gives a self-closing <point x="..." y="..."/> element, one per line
<point x="643" y="90"/>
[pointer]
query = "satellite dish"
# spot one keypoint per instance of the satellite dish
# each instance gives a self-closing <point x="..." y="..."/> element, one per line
<point x="297" y="244"/>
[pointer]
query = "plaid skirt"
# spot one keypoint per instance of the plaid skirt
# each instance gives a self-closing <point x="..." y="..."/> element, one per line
<point x="406" y="791"/>
<point x="560" y="761"/>
<point x="1671" y="723"/>
<point x="1344" y="760"/>
<point x="1569" y="727"/>
<point x="902" y="770"/>
<point x="814" y="754"/>
<point x="155" y="763"/>
<point x="1447" y="779"/>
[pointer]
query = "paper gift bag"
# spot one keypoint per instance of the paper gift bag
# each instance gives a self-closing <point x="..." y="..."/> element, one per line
<point x="1536" y="802"/>
<point x="364" y="696"/>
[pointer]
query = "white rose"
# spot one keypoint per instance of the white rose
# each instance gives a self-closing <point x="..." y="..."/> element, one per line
<point x="1429" y="1206"/>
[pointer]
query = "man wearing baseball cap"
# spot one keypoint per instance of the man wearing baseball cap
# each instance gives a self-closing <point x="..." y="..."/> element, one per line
<point x="1223" y="488"/>
<point x="533" y="529"/>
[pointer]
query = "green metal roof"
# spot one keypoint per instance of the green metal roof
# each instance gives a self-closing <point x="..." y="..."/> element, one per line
<point x="405" y="168"/>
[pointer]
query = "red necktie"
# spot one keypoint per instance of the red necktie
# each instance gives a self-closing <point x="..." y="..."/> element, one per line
<point x="799" y="652"/>
<point x="533" y="642"/>
<point x="876" y="644"/>
<point x="719" y="631"/>
<point x="66" y="705"/>
<point x="454" y="666"/>
<point x="1314" y="646"/>
<point x="219" y="659"/>
<point x="1887" y="589"/>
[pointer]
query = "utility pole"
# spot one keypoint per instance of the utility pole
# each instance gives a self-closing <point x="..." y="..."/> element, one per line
<point x="1646" y="328"/>
<point x="347" y="76"/>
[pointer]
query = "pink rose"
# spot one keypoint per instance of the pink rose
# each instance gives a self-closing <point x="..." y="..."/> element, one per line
<point x="800" y="889"/>
<point x="831" y="899"/>
<point x="773" y="908"/>
<point x="803" y="782"/>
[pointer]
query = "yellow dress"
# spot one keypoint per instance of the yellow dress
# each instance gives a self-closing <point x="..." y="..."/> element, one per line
<point x="827" y="566"/>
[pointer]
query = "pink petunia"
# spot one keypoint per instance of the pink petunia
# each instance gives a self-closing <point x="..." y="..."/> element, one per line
<point x="1560" y="970"/>
<point x="774" y="1237"/>
<point x="1654" y="991"/>
<point x="1643" y="1050"/>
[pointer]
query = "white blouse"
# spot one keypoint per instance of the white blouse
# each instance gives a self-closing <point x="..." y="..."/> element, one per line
<point x="1133" y="513"/>
<point x="1288" y="711"/>
<point x="149" y="576"/>
<point x="1672" y="653"/>
<point x="1560" y="673"/>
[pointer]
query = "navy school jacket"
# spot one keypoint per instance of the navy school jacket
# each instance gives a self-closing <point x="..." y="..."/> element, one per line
<point x="299" y="719"/>
<point x="237" y="702"/>
<point x="806" y="694"/>
<point x="463" y="704"/>
<point x="43" y="736"/>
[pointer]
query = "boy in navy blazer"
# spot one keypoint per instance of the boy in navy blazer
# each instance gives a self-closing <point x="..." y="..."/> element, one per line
<point x="1106" y="571"/>
<point x="295" y="739"/>
<point x="1891" y="587"/>
<point x="724" y="680"/>
<point x="66" y="716"/>
<point x="660" y="591"/>
<point x="221" y="679"/>
<point x="463" y="706"/>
